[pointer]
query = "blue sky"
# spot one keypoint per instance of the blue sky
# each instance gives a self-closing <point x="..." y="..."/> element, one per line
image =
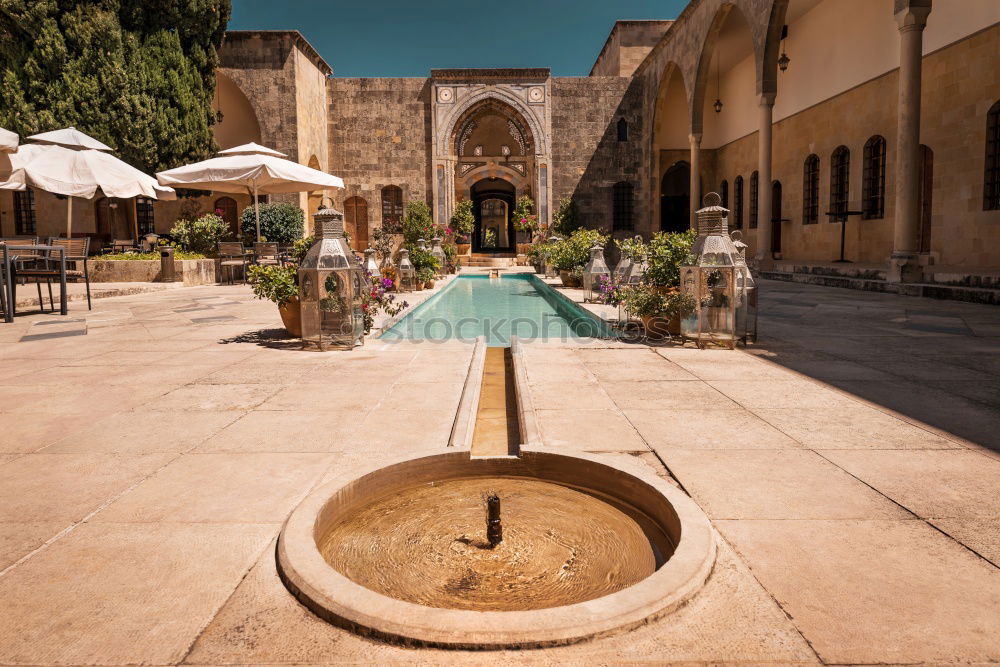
<point x="408" y="38"/>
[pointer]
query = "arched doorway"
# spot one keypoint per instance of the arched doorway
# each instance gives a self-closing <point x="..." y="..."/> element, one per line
<point x="225" y="208"/>
<point x="776" y="217"/>
<point x="926" y="196"/>
<point x="356" y="222"/>
<point x="675" y="198"/>
<point x="492" y="204"/>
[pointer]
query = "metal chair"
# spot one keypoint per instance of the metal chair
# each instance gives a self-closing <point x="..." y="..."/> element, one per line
<point x="231" y="255"/>
<point x="77" y="251"/>
<point x="266" y="254"/>
<point x="38" y="262"/>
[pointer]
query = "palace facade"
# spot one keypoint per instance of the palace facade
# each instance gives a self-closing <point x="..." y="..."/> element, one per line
<point x="875" y="119"/>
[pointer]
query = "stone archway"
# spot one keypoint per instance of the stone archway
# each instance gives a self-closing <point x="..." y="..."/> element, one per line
<point x="490" y="130"/>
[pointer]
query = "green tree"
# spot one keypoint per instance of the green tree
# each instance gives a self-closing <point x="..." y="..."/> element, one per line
<point x="138" y="75"/>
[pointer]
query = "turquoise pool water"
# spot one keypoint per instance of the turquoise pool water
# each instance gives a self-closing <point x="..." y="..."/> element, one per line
<point x="517" y="304"/>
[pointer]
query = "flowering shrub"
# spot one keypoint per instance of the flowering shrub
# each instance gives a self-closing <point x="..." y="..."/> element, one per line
<point x="378" y="298"/>
<point x="463" y="222"/>
<point x="201" y="235"/>
<point x="524" y="218"/>
<point x="418" y="223"/>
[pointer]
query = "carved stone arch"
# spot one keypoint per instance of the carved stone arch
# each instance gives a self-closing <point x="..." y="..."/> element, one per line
<point x="445" y="141"/>
<point x="697" y="94"/>
<point x="230" y="90"/>
<point x="520" y="182"/>
<point x="465" y="124"/>
<point x="767" y="65"/>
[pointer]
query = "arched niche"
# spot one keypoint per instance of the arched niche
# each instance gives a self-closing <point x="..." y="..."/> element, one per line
<point x="239" y="121"/>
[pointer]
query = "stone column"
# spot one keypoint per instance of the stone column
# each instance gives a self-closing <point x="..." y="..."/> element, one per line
<point x="904" y="264"/>
<point x="695" y="140"/>
<point x="765" y="259"/>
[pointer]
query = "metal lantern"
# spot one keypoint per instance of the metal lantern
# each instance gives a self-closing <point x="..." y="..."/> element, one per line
<point x="636" y="275"/>
<point x="371" y="265"/>
<point x="422" y="244"/>
<point x="438" y="253"/>
<point x="746" y="319"/>
<point x="717" y="277"/>
<point x="331" y="287"/>
<point x="595" y="273"/>
<point x="407" y="273"/>
<point x="550" y="270"/>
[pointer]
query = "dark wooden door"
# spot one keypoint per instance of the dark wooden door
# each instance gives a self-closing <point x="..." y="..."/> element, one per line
<point x="356" y="222"/>
<point x="926" y="196"/>
<point x="776" y="217"/>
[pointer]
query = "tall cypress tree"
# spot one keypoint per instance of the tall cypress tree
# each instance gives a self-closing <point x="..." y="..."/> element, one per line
<point x="138" y="75"/>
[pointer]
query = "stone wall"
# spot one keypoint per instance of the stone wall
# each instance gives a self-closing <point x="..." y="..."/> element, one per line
<point x="587" y="157"/>
<point x="380" y="134"/>
<point x="627" y="46"/>
<point x="959" y="86"/>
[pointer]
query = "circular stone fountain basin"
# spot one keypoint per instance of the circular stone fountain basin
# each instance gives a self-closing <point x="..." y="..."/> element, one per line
<point x="589" y="546"/>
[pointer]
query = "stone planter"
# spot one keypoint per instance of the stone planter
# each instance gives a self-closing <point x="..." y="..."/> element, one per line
<point x="523" y="248"/>
<point x="569" y="280"/>
<point x="464" y="249"/>
<point x="291" y="316"/>
<point x="188" y="271"/>
<point x="661" y="327"/>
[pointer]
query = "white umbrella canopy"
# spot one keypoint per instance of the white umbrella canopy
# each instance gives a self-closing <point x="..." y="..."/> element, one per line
<point x="251" y="169"/>
<point x="70" y="163"/>
<point x="8" y="144"/>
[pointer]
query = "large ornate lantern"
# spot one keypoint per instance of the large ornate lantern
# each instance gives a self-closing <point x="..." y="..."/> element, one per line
<point x="716" y="275"/>
<point x="438" y="253"/>
<point x="371" y="265"/>
<point x="595" y="274"/>
<point x="331" y="287"/>
<point x="407" y="272"/>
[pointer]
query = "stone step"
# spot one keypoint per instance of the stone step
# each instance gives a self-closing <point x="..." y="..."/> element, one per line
<point x="984" y="295"/>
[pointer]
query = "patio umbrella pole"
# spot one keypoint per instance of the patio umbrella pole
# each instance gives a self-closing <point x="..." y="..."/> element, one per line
<point x="256" y="209"/>
<point x="69" y="217"/>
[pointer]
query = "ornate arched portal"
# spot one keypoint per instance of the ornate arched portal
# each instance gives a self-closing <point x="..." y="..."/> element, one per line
<point x="490" y="132"/>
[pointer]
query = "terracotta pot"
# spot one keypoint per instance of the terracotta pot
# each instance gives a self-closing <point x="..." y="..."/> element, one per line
<point x="464" y="248"/>
<point x="569" y="280"/>
<point x="660" y="327"/>
<point x="291" y="316"/>
<point x="429" y="284"/>
<point x="523" y="248"/>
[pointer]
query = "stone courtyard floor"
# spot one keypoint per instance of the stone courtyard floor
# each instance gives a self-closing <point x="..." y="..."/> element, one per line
<point x="850" y="462"/>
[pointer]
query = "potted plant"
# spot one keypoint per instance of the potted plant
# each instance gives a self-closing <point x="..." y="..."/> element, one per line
<point x="570" y="255"/>
<point x="425" y="276"/>
<point x="463" y="223"/>
<point x="660" y="312"/>
<point x="279" y="284"/>
<point x="525" y="222"/>
<point x="423" y="261"/>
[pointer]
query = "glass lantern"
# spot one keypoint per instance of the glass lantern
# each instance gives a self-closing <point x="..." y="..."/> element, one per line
<point x="371" y="265"/>
<point x="422" y="244"/>
<point x="636" y="274"/>
<point x="407" y="273"/>
<point x="438" y="252"/>
<point x="747" y="319"/>
<point x="595" y="274"/>
<point x="331" y="287"/>
<point x="717" y="277"/>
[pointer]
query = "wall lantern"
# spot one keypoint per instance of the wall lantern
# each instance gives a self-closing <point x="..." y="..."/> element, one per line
<point x="717" y="106"/>
<point x="783" y="60"/>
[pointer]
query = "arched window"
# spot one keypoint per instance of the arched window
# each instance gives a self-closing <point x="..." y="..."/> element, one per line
<point x="144" y="215"/>
<point x="724" y="191"/>
<point x="840" y="177"/>
<point x="622" y="207"/>
<point x="225" y="208"/>
<point x="24" y="213"/>
<point x="392" y="208"/>
<point x="991" y="189"/>
<point x="754" y="187"/>
<point x="810" y="190"/>
<point x="738" y="202"/>
<point x="873" y="182"/>
<point x="622" y="129"/>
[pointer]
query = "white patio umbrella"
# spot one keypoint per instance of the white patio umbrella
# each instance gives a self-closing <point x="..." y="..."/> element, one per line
<point x="8" y="144"/>
<point x="253" y="169"/>
<point x="68" y="162"/>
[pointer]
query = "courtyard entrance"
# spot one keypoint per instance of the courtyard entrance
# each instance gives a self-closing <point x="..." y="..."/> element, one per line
<point x="493" y="202"/>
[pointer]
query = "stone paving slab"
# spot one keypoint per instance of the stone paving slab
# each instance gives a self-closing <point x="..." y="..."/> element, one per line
<point x="774" y="484"/>
<point x="112" y="594"/>
<point x="876" y="591"/>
